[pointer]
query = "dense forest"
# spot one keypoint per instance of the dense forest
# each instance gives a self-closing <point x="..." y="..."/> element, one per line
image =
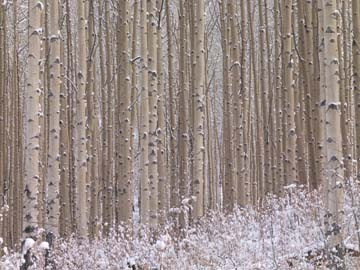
<point x="156" y="112"/>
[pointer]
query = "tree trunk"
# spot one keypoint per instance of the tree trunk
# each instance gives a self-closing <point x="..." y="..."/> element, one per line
<point x="356" y="75"/>
<point x="32" y="129"/>
<point x="144" y="117"/>
<point x="80" y="129"/>
<point x="289" y="91"/>
<point x="53" y="173"/>
<point x="199" y="111"/>
<point x="334" y="197"/>
<point x="174" y="191"/>
<point x="183" y="118"/>
<point x="153" y="117"/>
<point x="124" y="188"/>
<point x="161" y="124"/>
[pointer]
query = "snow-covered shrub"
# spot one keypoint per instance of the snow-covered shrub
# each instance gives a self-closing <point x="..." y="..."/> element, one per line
<point x="284" y="233"/>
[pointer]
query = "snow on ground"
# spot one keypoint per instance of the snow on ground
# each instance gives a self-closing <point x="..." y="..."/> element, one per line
<point x="280" y="235"/>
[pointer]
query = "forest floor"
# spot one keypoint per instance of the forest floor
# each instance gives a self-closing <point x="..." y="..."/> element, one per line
<point x="286" y="233"/>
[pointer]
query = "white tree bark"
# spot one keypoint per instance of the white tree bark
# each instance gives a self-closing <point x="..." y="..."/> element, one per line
<point x="356" y="74"/>
<point x="290" y="94"/>
<point x="53" y="170"/>
<point x="123" y="172"/>
<point x="199" y="110"/>
<point x="32" y="129"/>
<point x="144" y="119"/>
<point x="153" y="117"/>
<point x="80" y="129"/>
<point x="334" y="197"/>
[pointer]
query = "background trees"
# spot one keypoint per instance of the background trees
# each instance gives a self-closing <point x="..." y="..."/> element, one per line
<point x="170" y="108"/>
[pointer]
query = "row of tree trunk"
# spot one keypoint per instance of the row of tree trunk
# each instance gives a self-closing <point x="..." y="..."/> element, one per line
<point x="155" y="110"/>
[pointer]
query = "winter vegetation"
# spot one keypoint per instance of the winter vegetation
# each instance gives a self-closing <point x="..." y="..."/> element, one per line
<point x="286" y="233"/>
<point x="179" y="134"/>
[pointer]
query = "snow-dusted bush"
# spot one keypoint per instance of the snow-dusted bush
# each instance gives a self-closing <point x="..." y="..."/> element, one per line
<point x="285" y="233"/>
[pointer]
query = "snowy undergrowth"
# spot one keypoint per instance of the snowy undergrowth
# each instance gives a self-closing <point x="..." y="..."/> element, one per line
<point x="277" y="236"/>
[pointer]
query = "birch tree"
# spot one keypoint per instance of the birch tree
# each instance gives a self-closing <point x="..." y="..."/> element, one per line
<point x="80" y="130"/>
<point x="153" y="110"/>
<point x="107" y="211"/>
<point x="183" y="120"/>
<point x="229" y="171"/>
<point x="144" y="117"/>
<point x="356" y="73"/>
<point x="161" y="124"/>
<point x="124" y="183"/>
<point x="53" y="174"/>
<point x="93" y="144"/>
<point x="334" y="197"/>
<point x="32" y="130"/>
<point x="2" y="114"/>
<point x="174" y="192"/>
<point x="288" y="63"/>
<point x="199" y="110"/>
